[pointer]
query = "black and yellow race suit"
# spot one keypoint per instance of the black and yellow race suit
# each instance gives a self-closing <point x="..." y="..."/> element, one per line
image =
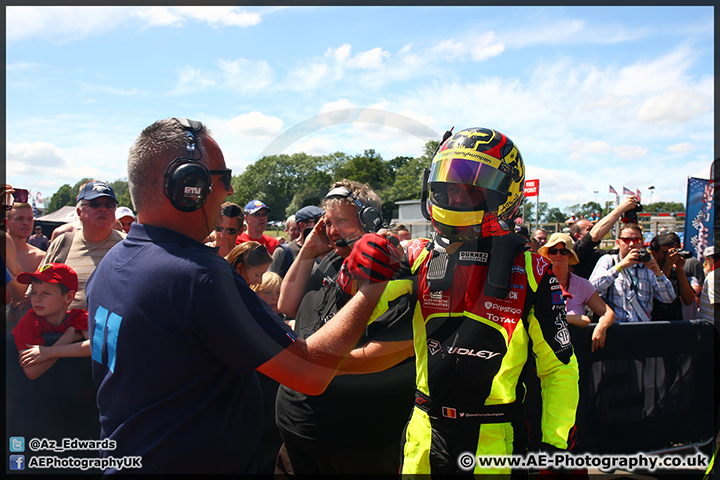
<point x="470" y="350"/>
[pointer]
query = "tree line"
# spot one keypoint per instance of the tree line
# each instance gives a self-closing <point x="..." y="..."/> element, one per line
<point x="286" y="183"/>
<point x="547" y="214"/>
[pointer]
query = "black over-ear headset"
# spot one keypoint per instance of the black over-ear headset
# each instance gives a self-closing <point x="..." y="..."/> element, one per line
<point x="188" y="181"/>
<point x="369" y="216"/>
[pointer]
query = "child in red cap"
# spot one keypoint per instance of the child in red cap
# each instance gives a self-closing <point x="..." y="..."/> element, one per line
<point x="53" y="289"/>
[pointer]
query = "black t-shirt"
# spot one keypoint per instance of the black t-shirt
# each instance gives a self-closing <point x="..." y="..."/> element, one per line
<point x="588" y="256"/>
<point x="669" y="311"/>
<point x="355" y="409"/>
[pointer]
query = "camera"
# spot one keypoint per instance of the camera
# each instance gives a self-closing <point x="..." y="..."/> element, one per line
<point x="685" y="254"/>
<point x="631" y="215"/>
<point x="644" y="255"/>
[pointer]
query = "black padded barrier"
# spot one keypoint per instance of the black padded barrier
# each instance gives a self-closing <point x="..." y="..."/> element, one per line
<point x="654" y="386"/>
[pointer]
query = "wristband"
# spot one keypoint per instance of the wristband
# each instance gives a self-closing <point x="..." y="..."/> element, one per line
<point x="618" y="268"/>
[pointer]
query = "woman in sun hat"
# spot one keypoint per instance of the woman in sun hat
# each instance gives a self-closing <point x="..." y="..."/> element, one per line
<point x="579" y="291"/>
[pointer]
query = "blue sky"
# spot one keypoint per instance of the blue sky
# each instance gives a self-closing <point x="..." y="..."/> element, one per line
<point x="592" y="96"/>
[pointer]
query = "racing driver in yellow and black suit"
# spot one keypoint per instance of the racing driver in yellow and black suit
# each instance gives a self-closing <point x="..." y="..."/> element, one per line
<point x="481" y="305"/>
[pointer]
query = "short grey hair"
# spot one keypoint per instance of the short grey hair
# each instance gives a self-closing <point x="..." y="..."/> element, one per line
<point x="154" y="149"/>
<point x="289" y="220"/>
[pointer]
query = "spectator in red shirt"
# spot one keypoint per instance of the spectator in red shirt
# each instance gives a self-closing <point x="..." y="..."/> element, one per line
<point x="256" y="218"/>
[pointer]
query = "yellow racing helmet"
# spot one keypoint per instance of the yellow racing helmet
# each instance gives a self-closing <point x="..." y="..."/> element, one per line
<point x="476" y="185"/>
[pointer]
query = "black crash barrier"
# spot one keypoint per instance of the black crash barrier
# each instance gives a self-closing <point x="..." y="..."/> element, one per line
<point x="653" y="387"/>
<point x="59" y="404"/>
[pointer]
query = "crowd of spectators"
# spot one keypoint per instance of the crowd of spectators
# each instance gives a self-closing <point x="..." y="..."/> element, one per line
<point x="300" y="282"/>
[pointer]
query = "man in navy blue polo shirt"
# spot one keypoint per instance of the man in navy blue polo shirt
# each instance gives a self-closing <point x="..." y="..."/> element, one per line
<point x="176" y="335"/>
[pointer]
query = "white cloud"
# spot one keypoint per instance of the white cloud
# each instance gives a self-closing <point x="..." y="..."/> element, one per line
<point x="478" y="47"/>
<point x="685" y="147"/>
<point x="447" y="47"/>
<point x="314" y="146"/>
<point x="485" y="47"/>
<point x="340" y="54"/>
<point x="109" y="90"/>
<point x="221" y="16"/>
<point x="158" y="16"/>
<point x="581" y="149"/>
<point x="21" y="156"/>
<point x="658" y="75"/>
<point x="630" y="151"/>
<point x="192" y="79"/>
<point x="311" y="76"/>
<point x="337" y="105"/>
<point x="245" y="75"/>
<point x="369" y="59"/>
<point x="554" y="32"/>
<point x="255" y="124"/>
<point x="67" y="24"/>
<point x="21" y="67"/>
<point x="674" y="106"/>
<point x="61" y="24"/>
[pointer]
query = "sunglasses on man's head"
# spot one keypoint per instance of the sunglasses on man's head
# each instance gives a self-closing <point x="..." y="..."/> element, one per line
<point x="561" y="251"/>
<point x="229" y="230"/>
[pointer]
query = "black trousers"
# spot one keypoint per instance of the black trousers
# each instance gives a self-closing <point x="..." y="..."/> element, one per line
<point x="299" y="456"/>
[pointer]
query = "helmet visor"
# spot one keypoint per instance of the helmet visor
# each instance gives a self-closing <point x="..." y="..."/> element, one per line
<point x="469" y="172"/>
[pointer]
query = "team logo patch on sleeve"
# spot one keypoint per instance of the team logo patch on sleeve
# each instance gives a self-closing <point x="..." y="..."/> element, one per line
<point x="477" y="257"/>
<point x="541" y="263"/>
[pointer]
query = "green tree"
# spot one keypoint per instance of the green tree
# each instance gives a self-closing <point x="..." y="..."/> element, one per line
<point x="76" y="187"/>
<point x="367" y="168"/>
<point x="664" y="207"/>
<point x="554" y="215"/>
<point x="408" y="179"/>
<point x="311" y="192"/>
<point x="285" y="182"/>
<point x="270" y="179"/>
<point x="533" y="212"/>
<point x="64" y="196"/>
<point x="584" y="210"/>
<point x="122" y="192"/>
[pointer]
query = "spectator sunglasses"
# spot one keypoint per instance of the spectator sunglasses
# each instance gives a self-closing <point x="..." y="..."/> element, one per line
<point x="229" y="230"/>
<point x="561" y="251"/>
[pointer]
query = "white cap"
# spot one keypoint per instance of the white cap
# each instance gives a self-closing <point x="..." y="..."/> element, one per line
<point x="709" y="251"/>
<point x="121" y="212"/>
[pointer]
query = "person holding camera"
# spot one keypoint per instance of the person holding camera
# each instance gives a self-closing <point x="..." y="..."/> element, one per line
<point x="665" y="248"/>
<point x="587" y="236"/>
<point x="629" y="280"/>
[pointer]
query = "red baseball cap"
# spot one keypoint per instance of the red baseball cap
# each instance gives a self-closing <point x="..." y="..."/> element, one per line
<point x="52" y="273"/>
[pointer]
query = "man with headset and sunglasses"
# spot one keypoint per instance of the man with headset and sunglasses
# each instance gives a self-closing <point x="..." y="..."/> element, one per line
<point x="176" y="335"/>
<point x="355" y="426"/>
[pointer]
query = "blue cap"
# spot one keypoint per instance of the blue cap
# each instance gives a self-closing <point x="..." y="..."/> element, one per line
<point x="308" y="213"/>
<point x="255" y="206"/>
<point x="95" y="189"/>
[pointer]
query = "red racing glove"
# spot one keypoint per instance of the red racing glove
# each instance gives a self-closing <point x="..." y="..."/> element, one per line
<point x="373" y="258"/>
